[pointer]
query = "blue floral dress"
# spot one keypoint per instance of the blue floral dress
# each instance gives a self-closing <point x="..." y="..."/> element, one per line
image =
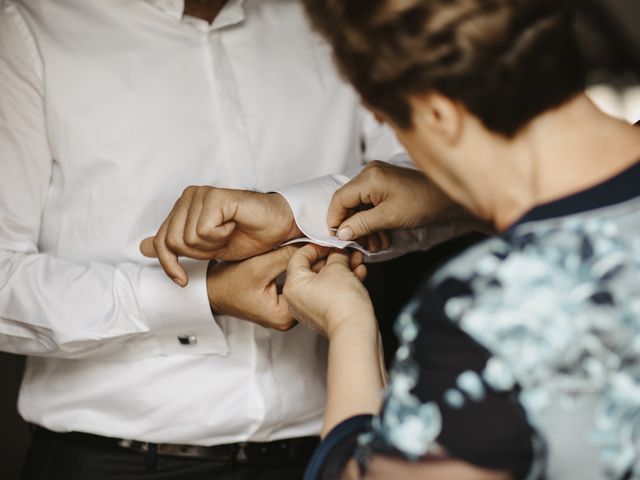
<point x="523" y="353"/>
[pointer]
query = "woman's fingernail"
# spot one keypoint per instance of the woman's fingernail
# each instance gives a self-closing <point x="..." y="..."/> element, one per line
<point x="345" y="233"/>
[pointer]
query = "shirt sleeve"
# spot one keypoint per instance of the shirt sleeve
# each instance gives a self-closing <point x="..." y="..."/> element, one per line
<point x="55" y="307"/>
<point x="309" y="200"/>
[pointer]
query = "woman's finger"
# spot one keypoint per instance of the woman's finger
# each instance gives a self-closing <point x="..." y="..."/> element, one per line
<point x="343" y="201"/>
<point x="302" y="261"/>
<point x="373" y="243"/>
<point x="338" y="257"/>
<point x="356" y="258"/>
<point x="385" y="239"/>
<point x="318" y="266"/>
<point x="361" y="272"/>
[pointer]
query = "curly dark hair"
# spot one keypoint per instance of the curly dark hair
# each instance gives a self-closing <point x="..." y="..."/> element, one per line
<point x="506" y="61"/>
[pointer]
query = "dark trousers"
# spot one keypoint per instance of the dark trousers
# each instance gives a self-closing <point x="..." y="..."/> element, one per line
<point x="53" y="457"/>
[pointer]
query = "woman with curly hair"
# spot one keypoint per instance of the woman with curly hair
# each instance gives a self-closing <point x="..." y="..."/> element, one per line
<point x="520" y="357"/>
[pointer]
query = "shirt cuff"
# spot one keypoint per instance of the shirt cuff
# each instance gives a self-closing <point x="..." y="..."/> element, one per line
<point x="309" y="202"/>
<point x="180" y="318"/>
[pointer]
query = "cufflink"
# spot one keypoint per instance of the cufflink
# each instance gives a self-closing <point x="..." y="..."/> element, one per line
<point x="186" y="340"/>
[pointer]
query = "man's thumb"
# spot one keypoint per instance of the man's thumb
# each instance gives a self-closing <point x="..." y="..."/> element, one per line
<point x="147" y="249"/>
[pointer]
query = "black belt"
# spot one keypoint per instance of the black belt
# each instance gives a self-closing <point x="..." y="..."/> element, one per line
<point x="290" y="449"/>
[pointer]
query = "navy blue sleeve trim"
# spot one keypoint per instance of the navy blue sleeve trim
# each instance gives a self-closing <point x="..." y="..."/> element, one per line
<point x="344" y="431"/>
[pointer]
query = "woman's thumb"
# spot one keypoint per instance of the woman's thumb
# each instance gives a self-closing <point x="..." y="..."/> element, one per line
<point x="361" y="224"/>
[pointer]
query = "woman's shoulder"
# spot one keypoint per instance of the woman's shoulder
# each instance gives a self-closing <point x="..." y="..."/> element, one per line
<point x="587" y="250"/>
<point x="538" y="279"/>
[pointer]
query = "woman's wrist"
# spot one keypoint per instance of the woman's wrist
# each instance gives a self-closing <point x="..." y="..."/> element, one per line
<point x="355" y="375"/>
<point x="362" y="323"/>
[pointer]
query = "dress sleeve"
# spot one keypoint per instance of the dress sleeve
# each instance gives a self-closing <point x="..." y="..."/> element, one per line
<point x="337" y="448"/>
<point x="451" y="404"/>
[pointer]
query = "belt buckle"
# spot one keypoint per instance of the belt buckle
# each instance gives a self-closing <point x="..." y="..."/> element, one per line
<point x="240" y="455"/>
<point x="133" y="445"/>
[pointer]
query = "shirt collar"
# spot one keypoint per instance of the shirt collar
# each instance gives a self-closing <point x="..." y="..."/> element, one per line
<point x="173" y="8"/>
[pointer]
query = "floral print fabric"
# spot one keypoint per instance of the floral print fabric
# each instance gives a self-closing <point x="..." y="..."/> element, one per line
<point x="558" y="307"/>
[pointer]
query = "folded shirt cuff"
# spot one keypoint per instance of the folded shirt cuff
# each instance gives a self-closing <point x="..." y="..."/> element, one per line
<point x="309" y="202"/>
<point x="180" y="318"/>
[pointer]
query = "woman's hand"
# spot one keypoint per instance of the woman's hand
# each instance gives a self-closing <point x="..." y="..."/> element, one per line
<point x="387" y="197"/>
<point x="324" y="289"/>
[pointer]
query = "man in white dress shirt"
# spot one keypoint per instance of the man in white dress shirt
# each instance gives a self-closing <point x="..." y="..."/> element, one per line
<point x="108" y="110"/>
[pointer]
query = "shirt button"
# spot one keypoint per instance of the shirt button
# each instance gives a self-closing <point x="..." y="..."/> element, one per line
<point x="186" y="340"/>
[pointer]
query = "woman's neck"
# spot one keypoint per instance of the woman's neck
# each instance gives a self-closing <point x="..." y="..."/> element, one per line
<point x="542" y="165"/>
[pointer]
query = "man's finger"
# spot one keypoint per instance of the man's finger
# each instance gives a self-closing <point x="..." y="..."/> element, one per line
<point x="191" y="237"/>
<point x="147" y="249"/>
<point x="218" y="211"/>
<point x="168" y="259"/>
<point x="272" y="310"/>
<point x="220" y="234"/>
<point x="175" y="229"/>
<point x="274" y="263"/>
<point x="284" y="317"/>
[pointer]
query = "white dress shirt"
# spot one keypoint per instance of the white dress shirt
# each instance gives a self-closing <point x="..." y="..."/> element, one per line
<point x="108" y="110"/>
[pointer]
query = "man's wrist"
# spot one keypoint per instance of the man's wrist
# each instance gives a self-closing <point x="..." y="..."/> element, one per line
<point x="216" y="308"/>
<point x="292" y="230"/>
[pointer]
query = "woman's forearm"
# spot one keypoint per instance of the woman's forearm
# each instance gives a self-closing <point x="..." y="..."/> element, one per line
<point x="355" y="372"/>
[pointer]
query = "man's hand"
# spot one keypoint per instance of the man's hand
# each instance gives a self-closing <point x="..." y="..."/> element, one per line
<point x="387" y="197"/>
<point x="209" y="223"/>
<point x="248" y="289"/>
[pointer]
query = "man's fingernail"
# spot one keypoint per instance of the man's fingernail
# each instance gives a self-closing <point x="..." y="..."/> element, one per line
<point x="345" y="233"/>
<point x="179" y="281"/>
